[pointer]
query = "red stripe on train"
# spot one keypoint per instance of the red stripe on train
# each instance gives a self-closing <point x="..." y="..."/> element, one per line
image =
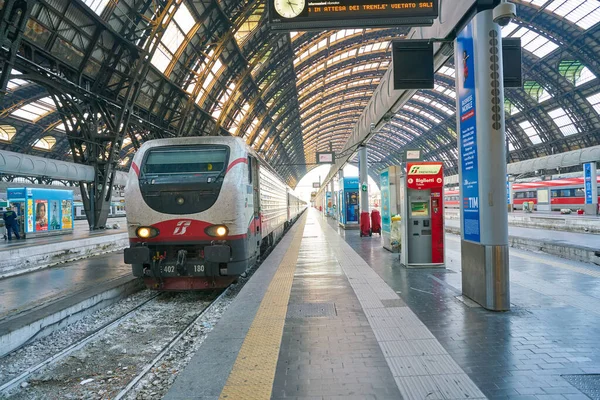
<point x="136" y="169"/>
<point x="236" y="162"/>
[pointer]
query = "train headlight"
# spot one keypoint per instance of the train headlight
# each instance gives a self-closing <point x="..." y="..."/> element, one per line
<point x="217" y="230"/>
<point x="146" y="232"/>
<point x="180" y="200"/>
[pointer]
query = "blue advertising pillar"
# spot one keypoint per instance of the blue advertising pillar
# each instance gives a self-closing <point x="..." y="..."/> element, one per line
<point x="482" y="155"/>
<point x="590" y="182"/>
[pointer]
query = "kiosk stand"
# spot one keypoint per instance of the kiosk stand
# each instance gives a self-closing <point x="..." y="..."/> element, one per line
<point x="422" y="211"/>
<point x="42" y="212"/>
<point x="348" y="201"/>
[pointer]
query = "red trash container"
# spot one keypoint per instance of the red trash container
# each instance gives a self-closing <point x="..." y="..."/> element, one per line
<point x="365" y="224"/>
<point x="376" y="222"/>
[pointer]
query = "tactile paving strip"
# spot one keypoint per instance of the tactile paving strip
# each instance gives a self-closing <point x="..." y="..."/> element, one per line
<point x="253" y="373"/>
<point x="588" y="384"/>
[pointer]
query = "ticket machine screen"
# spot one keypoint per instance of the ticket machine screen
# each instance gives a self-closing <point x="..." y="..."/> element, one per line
<point x="419" y="209"/>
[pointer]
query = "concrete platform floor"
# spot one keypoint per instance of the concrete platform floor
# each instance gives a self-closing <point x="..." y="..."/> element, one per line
<point x="24" y="292"/>
<point x="81" y="230"/>
<point x="531" y="352"/>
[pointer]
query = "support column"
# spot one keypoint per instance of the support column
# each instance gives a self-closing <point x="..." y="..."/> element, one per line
<point x="482" y="157"/>
<point x="363" y="178"/>
<point x="590" y="188"/>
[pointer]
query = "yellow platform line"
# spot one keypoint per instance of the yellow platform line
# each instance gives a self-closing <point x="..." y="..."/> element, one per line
<point x="253" y="373"/>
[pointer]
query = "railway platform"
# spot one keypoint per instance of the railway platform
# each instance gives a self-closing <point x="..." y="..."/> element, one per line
<point x="23" y="256"/>
<point x="37" y="303"/>
<point x="330" y="315"/>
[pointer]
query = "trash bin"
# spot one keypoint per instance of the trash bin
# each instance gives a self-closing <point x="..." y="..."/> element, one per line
<point x="376" y="222"/>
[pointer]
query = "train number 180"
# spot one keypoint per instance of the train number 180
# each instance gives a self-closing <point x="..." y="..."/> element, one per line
<point x="198" y="268"/>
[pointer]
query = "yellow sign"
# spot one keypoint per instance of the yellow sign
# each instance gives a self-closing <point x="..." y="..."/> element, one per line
<point x="425" y="169"/>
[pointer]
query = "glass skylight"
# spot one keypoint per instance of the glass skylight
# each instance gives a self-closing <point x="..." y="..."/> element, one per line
<point x="584" y="13"/>
<point x="564" y="121"/>
<point x="45" y="143"/>
<point x="538" y="45"/>
<point x="7" y="132"/>
<point x="594" y="100"/>
<point x="447" y="71"/>
<point x="531" y="132"/>
<point x="97" y="6"/>
<point x="174" y="36"/>
<point x="35" y="110"/>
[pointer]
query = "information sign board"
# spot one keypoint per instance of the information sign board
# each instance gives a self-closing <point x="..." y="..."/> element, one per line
<point x="316" y="185"/>
<point x="587" y="179"/>
<point x="325" y="157"/>
<point x="293" y="15"/>
<point x="467" y="120"/>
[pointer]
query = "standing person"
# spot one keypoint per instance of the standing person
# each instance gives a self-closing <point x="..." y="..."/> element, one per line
<point x="10" y="220"/>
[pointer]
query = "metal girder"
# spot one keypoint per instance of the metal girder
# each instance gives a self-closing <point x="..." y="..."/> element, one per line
<point x="13" y="20"/>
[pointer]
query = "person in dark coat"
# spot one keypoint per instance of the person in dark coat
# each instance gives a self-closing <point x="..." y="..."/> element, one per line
<point x="10" y="221"/>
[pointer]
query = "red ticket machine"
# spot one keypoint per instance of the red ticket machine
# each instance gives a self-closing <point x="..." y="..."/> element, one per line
<point x="422" y="203"/>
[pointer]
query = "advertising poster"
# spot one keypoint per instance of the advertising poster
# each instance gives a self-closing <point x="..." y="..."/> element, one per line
<point x="385" y="202"/>
<point x="41" y="215"/>
<point x="54" y="216"/>
<point x="29" y="215"/>
<point x="465" y="82"/>
<point x="67" y="217"/>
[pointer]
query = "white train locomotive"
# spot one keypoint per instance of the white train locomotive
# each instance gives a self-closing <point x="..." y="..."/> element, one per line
<point x="200" y="210"/>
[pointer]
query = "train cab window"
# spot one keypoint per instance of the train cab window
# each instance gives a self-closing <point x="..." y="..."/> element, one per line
<point x="190" y="160"/>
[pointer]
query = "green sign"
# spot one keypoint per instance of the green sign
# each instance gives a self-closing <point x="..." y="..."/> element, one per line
<point x="364" y="187"/>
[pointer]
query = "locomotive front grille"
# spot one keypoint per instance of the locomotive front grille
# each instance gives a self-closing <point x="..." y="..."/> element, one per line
<point x="194" y="252"/>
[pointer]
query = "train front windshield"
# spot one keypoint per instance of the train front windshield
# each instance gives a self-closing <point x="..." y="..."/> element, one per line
<point x="208" y="160"/>
<point x="183" y="179"/>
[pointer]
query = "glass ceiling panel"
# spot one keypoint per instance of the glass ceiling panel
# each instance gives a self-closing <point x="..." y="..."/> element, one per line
<point x="538" y="45"/>
<point x="584" y="13"/>
<point x="35" y="110"/>
<point x="594" y="100"/>
<point x="97" y="6"/>
<point x="563" y="121"/>
<point x="531" y="132"/>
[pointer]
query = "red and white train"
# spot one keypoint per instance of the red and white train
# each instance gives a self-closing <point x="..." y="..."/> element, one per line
<point x="200" y="211"/>
<point x="562" y="193"/>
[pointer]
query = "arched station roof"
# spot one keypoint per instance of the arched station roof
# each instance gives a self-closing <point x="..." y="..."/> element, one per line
<point x="204" y="67"/>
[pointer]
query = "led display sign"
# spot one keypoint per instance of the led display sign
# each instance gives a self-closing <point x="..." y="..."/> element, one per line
<point x="294" y="15"/>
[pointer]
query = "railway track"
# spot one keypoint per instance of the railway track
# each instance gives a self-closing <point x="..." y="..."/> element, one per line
<point x="31" y="376"/>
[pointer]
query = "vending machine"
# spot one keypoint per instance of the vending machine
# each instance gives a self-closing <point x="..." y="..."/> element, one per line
<point x="422" y="210"/>
<point x="348" y="217"/>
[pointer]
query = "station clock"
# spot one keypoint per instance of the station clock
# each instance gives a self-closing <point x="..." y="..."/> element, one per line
<point x="289" y="8"/>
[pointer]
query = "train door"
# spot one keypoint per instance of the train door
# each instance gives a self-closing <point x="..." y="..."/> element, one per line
<point x="255" y="234"/>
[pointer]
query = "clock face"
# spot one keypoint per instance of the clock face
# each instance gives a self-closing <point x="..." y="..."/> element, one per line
<point x="289" y="8"/>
